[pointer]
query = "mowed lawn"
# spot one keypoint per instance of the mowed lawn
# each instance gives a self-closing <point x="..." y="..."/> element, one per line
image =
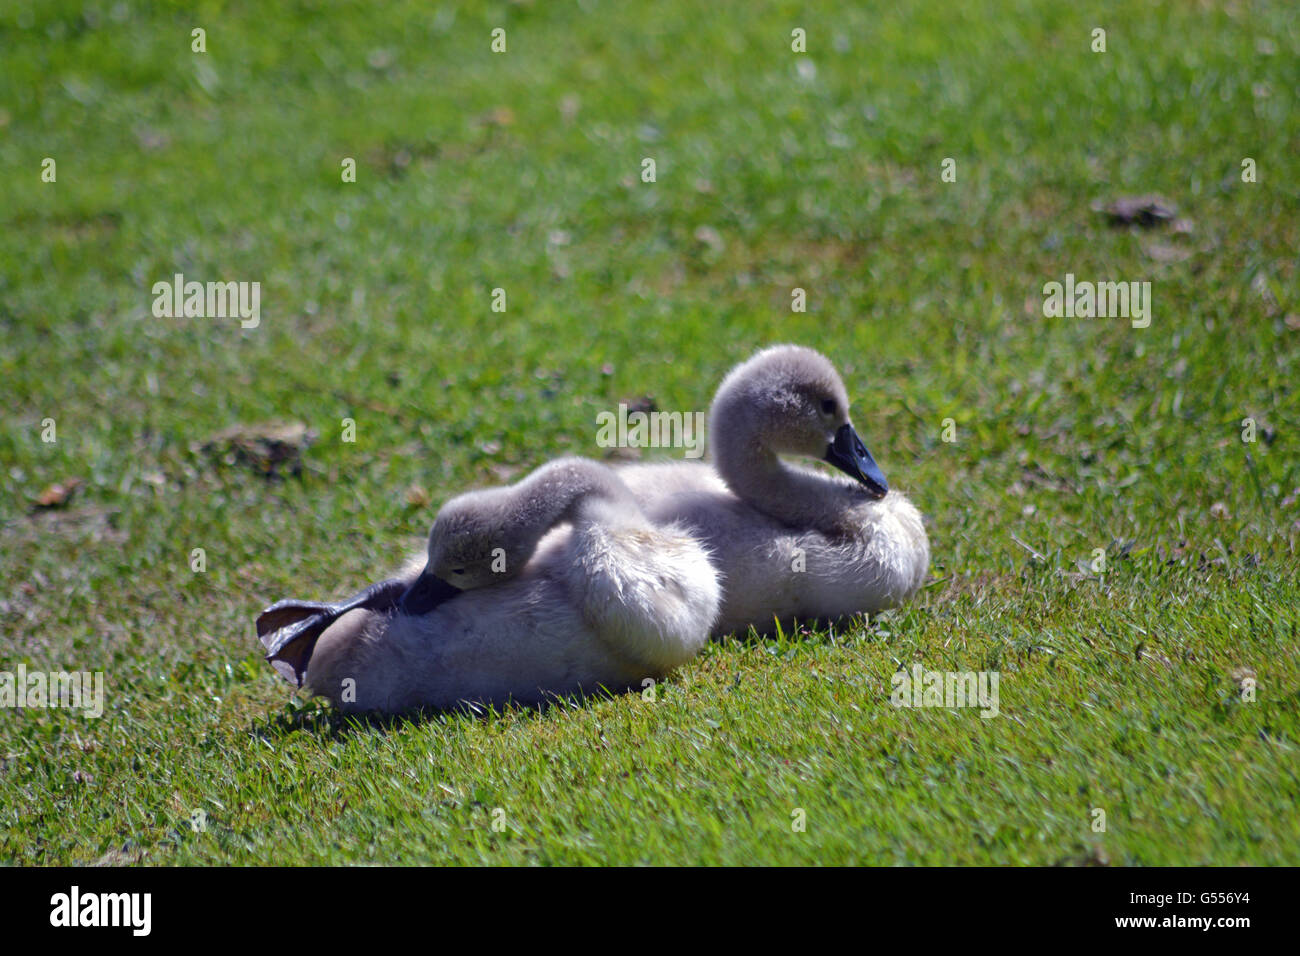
<point x="1103" y="537"/>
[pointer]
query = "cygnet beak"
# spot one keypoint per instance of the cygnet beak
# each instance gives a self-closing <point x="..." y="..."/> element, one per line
<point x="426" y="593"/>
<point x="849" y="455"/>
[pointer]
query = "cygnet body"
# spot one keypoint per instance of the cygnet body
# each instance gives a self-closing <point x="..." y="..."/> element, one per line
<point x="790" y="542"/>
<point x="555" y="585"/>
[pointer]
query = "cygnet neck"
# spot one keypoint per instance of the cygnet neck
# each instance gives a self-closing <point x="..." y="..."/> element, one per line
<point x="796" y="497"/>
<point x="571" y="490"/>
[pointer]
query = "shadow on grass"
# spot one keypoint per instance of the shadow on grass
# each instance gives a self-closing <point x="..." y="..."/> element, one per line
<point x="321" y="718"/>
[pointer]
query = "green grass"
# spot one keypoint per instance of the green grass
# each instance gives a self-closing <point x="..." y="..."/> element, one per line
<point x="521" y="171"/>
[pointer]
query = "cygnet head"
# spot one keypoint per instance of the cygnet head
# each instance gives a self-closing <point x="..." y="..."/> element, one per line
<point x="472" y="544"/>
<point x="789" y="400"/>
<point x="486" y="537"/>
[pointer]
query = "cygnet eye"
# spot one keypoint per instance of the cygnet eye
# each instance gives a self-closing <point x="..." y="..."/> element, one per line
<point x="828" y="406"/>
<point x="457" y="570"/>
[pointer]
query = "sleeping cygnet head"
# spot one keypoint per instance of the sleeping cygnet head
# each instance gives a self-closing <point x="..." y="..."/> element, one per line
<point x="787" y="400"/>
<point x="486" y="537"/>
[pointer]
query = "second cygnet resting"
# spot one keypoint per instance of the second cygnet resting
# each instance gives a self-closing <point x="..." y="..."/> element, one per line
<point x="790" y="542"/>
<point x="554" y="585"/>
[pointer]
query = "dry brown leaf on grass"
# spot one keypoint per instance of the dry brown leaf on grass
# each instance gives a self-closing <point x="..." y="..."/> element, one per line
<point x="269" y="447"/>
<point x="1141" y="210"/>
<point x="58" y="494"/>
<point x="500" y="116"/>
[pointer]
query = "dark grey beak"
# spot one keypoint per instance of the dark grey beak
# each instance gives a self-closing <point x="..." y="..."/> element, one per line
<point x="849" y="455"/>
<point x="425" y="594"/>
